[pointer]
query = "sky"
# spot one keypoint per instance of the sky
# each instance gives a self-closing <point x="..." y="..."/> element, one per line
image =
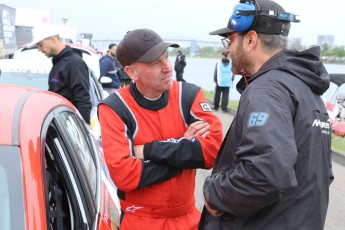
<point x="183" y="19"/>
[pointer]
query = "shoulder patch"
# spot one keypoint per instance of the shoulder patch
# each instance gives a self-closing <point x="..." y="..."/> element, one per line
<point x="257" y="119"/>
<point x="205" y="107"/>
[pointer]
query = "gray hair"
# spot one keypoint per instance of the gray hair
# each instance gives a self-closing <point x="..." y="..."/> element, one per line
<point x="274" y="42"/>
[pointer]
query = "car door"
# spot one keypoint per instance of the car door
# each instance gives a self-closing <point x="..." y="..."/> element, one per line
<point x="73" y="165"/>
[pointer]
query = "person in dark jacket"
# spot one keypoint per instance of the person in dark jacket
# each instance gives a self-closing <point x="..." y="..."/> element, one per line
<point x="274" y="168"/>
<point x="180" y="64"/>
<point x="109" y="68"/>
<point x="223" y="78"/>
<point x="69" y="75"/>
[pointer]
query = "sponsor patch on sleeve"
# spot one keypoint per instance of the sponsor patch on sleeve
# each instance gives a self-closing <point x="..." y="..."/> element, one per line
<point x="205" y="107"/>
<point x="257" y="119"/>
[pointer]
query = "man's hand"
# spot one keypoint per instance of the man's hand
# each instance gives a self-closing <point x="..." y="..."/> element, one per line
<point x="213" y="212"/>
<point x="139" y="151"/>
<point x="198" y="128"/>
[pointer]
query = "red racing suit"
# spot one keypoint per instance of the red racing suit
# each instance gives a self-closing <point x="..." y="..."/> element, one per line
<point x="157" y="192"/>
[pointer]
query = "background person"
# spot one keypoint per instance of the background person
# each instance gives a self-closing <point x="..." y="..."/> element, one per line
<point x="109" y="68"/>
<point x="180" y="64"/>
<point x="223" y="78"/>
<point x="155" y="133"/>
<point x="274" y="168"/>
<point x="69" y="75"/>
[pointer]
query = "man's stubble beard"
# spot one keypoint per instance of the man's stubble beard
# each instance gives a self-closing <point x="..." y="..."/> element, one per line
<point x="240" y="62"/>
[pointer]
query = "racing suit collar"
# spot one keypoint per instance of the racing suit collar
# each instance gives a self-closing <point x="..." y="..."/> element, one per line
<point x="148" y="104"/>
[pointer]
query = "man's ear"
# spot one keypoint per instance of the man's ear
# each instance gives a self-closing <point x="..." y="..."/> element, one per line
<point x="55" y="38"/>
<point x="131" y="72"/>
<point x="252" y="38"/>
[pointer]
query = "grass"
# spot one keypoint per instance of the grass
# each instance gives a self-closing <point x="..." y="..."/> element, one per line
<point x="232" y="104"/>
<point x="338" y="143"/>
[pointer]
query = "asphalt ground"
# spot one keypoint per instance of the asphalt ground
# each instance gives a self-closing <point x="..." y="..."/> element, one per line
<point x="339" y="156"/>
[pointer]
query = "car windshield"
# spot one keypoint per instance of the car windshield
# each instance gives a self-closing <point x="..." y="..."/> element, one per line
<point x="336" y="87"/>
<point x="11" y="193"/>
<point x="26" y="78"/>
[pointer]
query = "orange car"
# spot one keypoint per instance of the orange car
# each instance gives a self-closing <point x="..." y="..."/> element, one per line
<point x="52" y="171"/>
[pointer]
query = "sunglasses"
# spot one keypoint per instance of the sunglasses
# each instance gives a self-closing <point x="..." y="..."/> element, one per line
<point x="227" y="41"/>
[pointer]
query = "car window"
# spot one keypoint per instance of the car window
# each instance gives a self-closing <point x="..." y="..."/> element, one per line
<point x="98" y="89"/>
<point x="328" y="96"/>
<point x="12" y="212"/>
<point x="95" y="95"/>
<point x="65" y="201"/>
<point x="70" y="144"/>
<point x="83" y="150"/>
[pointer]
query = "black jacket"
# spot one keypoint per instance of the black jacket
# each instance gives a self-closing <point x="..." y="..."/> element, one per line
<point x="69" y="77"/>
<point x="273" y="170"/>
<point x="180" y="63"/>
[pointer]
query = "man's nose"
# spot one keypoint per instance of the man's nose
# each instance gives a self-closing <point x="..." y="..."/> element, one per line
<point x="166" y="65"/>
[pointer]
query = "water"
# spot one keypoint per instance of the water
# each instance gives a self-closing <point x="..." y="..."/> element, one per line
<point x="200" y="72"/>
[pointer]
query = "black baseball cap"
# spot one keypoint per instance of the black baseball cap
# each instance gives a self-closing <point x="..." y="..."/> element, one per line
<point x="141" y="45"/>
<point x="267" y="22"/>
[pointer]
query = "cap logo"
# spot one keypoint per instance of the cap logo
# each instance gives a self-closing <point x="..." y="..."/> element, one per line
<point x="149" y="37"/>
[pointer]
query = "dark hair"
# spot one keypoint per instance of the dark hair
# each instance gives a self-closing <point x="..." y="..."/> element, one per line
<point x="111" y="45"/>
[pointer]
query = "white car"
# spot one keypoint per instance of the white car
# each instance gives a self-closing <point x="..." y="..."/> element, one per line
<point x="33" y="70"/>
<point x="89" y="56"/>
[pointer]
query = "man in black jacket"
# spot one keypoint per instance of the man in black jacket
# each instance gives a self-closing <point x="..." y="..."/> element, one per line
<point x="180" y="64"/>
<point x="274" y="168"/>
<point x="69" y="76"/>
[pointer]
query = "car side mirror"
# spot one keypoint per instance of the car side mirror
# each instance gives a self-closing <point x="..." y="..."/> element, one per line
<point x="105" y="79"/>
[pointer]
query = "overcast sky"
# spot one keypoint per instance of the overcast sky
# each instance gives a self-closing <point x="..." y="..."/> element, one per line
<point x="188" y="19"/>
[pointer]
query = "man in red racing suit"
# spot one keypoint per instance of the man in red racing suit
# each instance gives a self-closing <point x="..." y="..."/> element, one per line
<point x="153" y="146"/>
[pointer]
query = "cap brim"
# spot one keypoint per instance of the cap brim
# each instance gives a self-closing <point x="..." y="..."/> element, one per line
<point x="222" y="32"/>
<point x="33" y="44"/>
<point x="156" y="51"/>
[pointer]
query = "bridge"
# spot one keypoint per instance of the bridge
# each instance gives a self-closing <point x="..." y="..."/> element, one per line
<point x="183" y="42"/>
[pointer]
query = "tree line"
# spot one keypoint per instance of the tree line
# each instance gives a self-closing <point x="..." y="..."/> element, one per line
<point x="331" y="54"/>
